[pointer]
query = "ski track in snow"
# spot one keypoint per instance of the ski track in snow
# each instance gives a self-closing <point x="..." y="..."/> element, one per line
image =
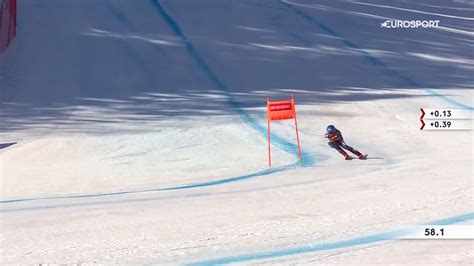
<point x="412" y="10"/>
<point x="372" y="59"/>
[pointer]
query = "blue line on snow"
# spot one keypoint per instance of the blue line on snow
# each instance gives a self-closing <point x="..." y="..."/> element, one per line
<point x="197" y="185"/>
<point x="364" y="240"/>
<point x="149" y="199"/>
<point x="373" y="60"/>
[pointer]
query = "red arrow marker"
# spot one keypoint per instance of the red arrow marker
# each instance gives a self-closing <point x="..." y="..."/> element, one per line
<point x="421" y="118"/>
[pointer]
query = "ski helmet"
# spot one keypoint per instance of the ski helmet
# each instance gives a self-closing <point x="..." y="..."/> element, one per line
<point x="331" y="129"/>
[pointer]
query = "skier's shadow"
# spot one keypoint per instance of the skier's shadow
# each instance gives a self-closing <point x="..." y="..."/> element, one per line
<point x="375" y="158"/>
<point x="374" y="162"/>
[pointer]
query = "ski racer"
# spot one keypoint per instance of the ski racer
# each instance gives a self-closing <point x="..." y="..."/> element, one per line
<point x="337" y="142"/>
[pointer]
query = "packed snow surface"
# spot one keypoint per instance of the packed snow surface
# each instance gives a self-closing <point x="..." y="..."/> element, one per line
<point x="136" y="132"/>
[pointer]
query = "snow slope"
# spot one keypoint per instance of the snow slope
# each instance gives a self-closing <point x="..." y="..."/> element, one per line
<point x="135" y="131"/>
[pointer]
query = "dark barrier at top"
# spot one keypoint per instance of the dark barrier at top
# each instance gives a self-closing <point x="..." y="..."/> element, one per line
<point x="7" y="23"/>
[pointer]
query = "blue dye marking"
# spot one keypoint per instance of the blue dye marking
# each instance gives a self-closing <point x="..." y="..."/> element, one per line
<point x="364" y="240"/>
<point x="197" y="185"/>
<point x="453" y="220"/>
<point x="128" y="200"/>
<point x="154" y="199"/>
<point x="373" y="60"/>
<point x="238" y="178"/>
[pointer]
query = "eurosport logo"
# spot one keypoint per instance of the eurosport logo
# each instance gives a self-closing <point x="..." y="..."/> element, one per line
<point x="409" y="24"/>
